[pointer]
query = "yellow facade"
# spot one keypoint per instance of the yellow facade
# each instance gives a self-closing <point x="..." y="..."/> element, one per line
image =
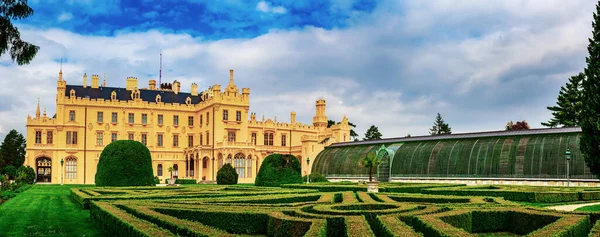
<point x="195" y="132"/>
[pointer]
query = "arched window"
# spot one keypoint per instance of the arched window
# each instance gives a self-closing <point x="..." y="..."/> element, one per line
<point x="205" y="162"/>
<point x="159" y="170"/>
<point x="249" y="168"/>
<point x="71" y="168"/>
<point x="175" y="171"/>
<point x="229" y="159"/>
<point x="239" y="163"/>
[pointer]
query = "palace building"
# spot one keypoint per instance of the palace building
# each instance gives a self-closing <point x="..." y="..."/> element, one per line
<point x="195" y="133"/>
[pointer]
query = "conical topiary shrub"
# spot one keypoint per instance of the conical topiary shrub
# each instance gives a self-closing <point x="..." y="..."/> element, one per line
<point x="227" y="175"/>
<point x="125" y="163"/>
<point x="279" y="169"/>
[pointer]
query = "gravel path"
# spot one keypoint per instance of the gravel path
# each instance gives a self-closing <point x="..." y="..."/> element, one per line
<point x="572" y="207"/>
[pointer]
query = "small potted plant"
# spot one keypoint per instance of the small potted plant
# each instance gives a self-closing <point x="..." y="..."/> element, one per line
<point x="171" y="181"/>
<point x="371" y="161"/>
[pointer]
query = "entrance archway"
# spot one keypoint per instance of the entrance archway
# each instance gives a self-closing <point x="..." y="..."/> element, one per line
<point x="44" y="169"/>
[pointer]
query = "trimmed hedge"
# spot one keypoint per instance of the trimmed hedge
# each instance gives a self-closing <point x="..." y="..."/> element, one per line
<point x="186" y="181"/>
<point x="119" y="223"/>
<point x="125" y="163"/>
<point x="227" y="175"/>
<point x="279" y="169"/>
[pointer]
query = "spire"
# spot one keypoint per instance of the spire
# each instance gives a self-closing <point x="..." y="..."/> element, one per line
<point x="231" y="77"/>
<point x="104" y="83"/>
<point x="60" y="72"/>
<point x="44" y="112"/>
<point x="231" y="88"/>
<point x="37" y="111"/>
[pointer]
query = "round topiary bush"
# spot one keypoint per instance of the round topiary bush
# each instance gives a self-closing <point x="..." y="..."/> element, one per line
<point x="279" y="169"/>
<point x="227" y="175"/>
<point x="125" y="163"/>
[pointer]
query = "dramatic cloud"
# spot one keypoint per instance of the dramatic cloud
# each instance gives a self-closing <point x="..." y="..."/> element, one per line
<point x="479" y="63"/>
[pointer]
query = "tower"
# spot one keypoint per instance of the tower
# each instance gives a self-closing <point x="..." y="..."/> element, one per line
<point x="320" y="119"/>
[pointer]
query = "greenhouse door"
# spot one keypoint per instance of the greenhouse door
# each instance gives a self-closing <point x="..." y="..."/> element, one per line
<point x="383" y="171"/>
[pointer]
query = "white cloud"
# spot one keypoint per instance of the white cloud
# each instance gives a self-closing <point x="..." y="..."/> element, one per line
<point x="267" y="8"/>
<point x="491" y="65"/>
<point x="65" y="16"/>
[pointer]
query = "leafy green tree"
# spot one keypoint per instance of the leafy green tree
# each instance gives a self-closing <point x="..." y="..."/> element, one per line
<point x="278" y="169"/>
<point x="125" y="163"/>
<point x="370" y="161"/>
<point x="590" y="115"/>
<point x="372" y="133"/>
<point x="227" y="175"/>
<point x="569" y="104"/>
<point x="12" y="150"/>
<point x="10" y="38"/>
<point x="440" y="127"/>
<point x="11" y="171"/>
<point x="353" y="134"/>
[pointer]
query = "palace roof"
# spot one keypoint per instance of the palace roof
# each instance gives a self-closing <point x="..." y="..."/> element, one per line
<point x="167" y="96"/>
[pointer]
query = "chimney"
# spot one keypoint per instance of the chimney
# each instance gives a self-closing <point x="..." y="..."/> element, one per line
<point x="152" y="85"/>
<point x="176" y="86"/>
<point x="95" y="81"/>
<point x="131" y="83"/>
<point x="194" y="89"/>
<point x="293" y="118"/>
<point x="84" y="80"/>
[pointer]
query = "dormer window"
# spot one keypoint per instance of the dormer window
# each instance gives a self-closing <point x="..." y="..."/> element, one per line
<point x="135" y="94"/>
<point x="113" y="95"/>
<point x="158" y="99"/>
<point x="72" y="93"/>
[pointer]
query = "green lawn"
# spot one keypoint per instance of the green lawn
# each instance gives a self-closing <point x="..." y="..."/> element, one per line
<point x="593" y="208"/>
<point x="45" y="210"/>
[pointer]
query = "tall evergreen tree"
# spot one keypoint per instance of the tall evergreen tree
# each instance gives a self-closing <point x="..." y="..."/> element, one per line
<point x="12" y="150"/>
<point x="372" y="133"/>
<point x="590" y="115"/>
<point x="440" y="127"/>
<point x="568" y="105"/>
<point x="10" y="38"/>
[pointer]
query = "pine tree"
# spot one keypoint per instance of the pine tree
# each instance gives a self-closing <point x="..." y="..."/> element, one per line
<point x="10" y="38"/>
<point x="439" y="127"/>
<point x="568" y="105"/>
<point x="372" y="133"/>
<point x="12" y="150"/>
<point x="590" y="115"/>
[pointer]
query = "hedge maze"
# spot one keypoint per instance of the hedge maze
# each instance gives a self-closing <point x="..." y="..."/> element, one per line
<point x="214" y="210"/>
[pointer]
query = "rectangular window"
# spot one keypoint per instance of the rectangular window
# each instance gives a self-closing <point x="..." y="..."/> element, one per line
<point x="231" y="136"/>
<point x="114" y="117"/>
<point x="144" y="139"/>
<point x="72" y="138"/>
<point x="113" y="137"/>
<point x="130" y="136"/>
<point x="207" y="138"/>
<point x="254" y="138"/>
<point x="49" y="137"/>
<point x="175" y="120"/>
<point x="200" y="120"/>
<point x="144" y="119"/>
<point x="207" y="118"/>
<point x="225" y="114"/>
<point x="201" y="138"/>
<point x="190" y="120"/>
<point x="268" y="139"/>
<point x="72" y="115"/>
<point x="238" y="116"/>
<point x="160" y="119"/>
<point x="38" y="137"/>
<point x="99" y="137"/>
<point x="100" y="117"/>
<point x="159" y="140"/>
<point x="131" y="118"/>
<point x="190" y="140"/>
<point x="71" y="168"/>
<point x="283" y="140"/>
<point x="175" y="140"/>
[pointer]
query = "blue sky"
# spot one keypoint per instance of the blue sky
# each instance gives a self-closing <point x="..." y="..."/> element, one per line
<point x="393" y="64"/>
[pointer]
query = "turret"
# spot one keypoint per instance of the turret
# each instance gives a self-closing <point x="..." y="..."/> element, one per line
<point x="84" y="80"/>
<point x="152" y="84"/>
<point x="194" y="90"/>
<point x="37" y="110"/>
<point x="176" y="86"/>
<point x="95" y="79"/>
<point x="131" y="83"/>
<point x="320" y="120"/>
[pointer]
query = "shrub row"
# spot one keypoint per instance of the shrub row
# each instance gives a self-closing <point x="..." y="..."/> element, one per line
<point x="119" y="223"/>
<point x="513" y="195"/>
<point x="232" y="222"/>
<point x="186" y="181"/>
